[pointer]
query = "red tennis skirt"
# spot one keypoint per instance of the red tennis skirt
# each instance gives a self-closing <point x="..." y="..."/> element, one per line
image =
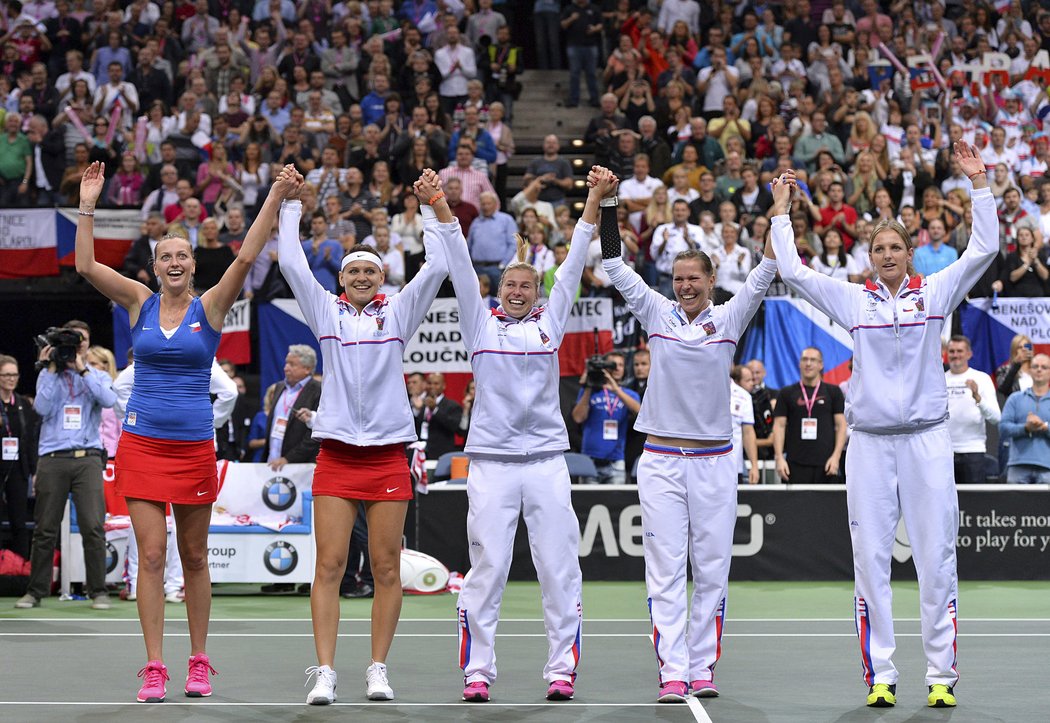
<point x="165" y="470"/>
<point x="362" y="473"/>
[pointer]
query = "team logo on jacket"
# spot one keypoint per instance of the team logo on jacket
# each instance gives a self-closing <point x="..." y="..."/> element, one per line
<point x="709" y="327"/>
<point x="280" y="558"/>
<point x="920" y="303"/>
<point x="279" y="493"/>
<point x="380" y="323"/>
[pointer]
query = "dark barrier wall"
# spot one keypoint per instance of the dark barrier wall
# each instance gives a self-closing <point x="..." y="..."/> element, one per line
<point x="781" y="534"/>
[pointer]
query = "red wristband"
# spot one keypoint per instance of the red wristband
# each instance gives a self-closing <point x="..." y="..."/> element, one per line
<point x="435" y="197"/>
<point x="977" y="174"/>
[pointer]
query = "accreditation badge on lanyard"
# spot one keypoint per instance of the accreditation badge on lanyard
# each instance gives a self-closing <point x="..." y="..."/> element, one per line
<point x="610" y="427"/>
<point x="809" y="422"/>
<point x="72" y="416"/>
<point x="10" y="447"/>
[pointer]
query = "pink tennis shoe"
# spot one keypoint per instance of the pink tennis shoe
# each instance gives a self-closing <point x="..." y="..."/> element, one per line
<point x="476" y="692"/>
<point x="703" y="689"/>
<point x="197" y="683"/>
<point x="673" y="691"/>
<point x="560" y="690"/>
<point x="153" y="677"/>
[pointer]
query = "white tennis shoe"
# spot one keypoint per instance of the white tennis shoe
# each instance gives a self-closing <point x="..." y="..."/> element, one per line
<point x="378" y="685"/>
<point x="324" y="689"/>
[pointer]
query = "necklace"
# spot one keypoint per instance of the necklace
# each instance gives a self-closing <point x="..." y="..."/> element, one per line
<point x="173" y="317"/>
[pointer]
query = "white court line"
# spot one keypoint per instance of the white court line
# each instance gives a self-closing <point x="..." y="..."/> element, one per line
<point x="730" y="620"/>
<point x="504" y="620"/>
<point x="697" y="710"/>
<point x="389" y="704"/>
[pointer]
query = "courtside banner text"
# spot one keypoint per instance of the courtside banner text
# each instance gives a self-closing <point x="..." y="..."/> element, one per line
<point x="781" y="533"/>
<point x="990" y="328"/>
<point x="27" y="243"/>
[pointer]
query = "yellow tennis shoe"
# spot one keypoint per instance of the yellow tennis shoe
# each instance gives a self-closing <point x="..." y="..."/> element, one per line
<point x="941" y="696"/>
<point x="882" y="695"/>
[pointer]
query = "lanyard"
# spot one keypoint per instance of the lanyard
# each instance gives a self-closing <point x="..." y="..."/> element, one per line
<point x="288" y="401"/>
<point x="611" y="402"/>
<point x="69" y="382"/>
<point x="809" y="401"/>
<point x="3" y="414"/>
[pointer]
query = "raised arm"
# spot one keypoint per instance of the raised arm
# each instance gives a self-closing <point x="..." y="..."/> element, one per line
<point x="419" y="293"/>
<point x="119" y="289"/>
<point x="959" y="277"/>
<point x="743" y="305"/>
<point x="831" y="296"/>
<point x="567" y="277"/>
<point x="218" y="299"/>
<point x="309" y="294"/>
<point x="447" y="232"/>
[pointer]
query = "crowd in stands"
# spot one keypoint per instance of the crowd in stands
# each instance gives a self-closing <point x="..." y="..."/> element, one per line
<point x="193" y="104"/>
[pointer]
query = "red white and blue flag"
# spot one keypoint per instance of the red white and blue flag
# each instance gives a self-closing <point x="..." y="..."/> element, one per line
<point x="27" y="243"/>
<point x="115" y="231"/>
<point x="990" y="330"/>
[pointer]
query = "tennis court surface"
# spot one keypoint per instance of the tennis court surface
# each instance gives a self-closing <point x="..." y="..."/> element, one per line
<point x="789" y="654"/>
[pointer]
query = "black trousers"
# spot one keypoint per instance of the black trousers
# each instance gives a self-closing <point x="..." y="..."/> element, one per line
<point x="14" y="505"/>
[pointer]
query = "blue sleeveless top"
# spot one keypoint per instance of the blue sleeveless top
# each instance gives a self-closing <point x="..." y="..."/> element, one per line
<point x="170" y="397"/>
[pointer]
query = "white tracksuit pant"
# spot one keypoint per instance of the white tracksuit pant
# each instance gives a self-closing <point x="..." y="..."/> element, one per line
<point x="887" y="476"/>
<point x="688" y="508"/>
<point x="497" y="493"/>
<point x="173" y="581"/>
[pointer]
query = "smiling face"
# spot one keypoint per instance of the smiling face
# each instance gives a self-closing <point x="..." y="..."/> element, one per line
<point x="692" y="284"/>
<point x="174" y="264"/>
<point x="362" y="280"/>
<point x="890" y="256"/>
<point x="519" y="291"/>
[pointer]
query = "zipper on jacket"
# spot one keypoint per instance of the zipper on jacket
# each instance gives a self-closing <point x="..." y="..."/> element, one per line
<point x="900" y="361"/>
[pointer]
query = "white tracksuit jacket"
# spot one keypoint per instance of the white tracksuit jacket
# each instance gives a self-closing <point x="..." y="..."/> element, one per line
<point x="363" y="399"/>
<point x="517" y="412"/>
<point x="898" y="384"/>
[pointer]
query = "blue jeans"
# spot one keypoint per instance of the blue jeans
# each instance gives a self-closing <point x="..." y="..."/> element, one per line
<point x="1027" y="474"/>
<point x="582" y="58"/>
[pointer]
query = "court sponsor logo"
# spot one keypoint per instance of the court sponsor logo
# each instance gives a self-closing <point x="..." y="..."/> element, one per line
<point x="625" y="538"/>
<point x="112" y="557"/>
<point x="279" y="493"/>
<point x="280" y="557"/>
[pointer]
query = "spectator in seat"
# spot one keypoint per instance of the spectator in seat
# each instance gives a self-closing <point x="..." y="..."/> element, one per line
<point x="1025" y="272"/>
<point x="818" y="139"/>
<point x="838" y="215"/>
<point x="438" y="418"/>
<point x="483" y="143"/>
<point x="16" y="162"/>
<point x="935" y="255"/>
<point x="474" y="182"/>
<point x="491" y="239"/>
<point x="464" y="211"/>
<point x="603" y="411"/>
<point x="323" y="253"/>
<point x="138" y="264"/>
<point x="637" y="190"/>
<point x="809" y="425"/>
<point x="671" y="238"/>
<point x="750" y="199"/>
<point x="212" y="256"/>
<point x="553" y="171"/>
<point x="971" y="404"/>
<point x="1024" y="423"/>
<point x="607" y="121"/>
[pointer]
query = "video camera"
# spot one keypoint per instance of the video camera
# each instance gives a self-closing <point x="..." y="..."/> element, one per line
<point x="597" y="365"/>
<point x="64" y="343"/>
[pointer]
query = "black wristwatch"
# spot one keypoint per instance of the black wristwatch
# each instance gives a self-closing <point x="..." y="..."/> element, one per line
<point x="83" y="371"/>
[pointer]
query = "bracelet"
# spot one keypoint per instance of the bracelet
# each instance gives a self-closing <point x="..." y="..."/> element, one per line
<point x="977" y="174"/>
<point x="435" y="197"/>
<point x="25" y="181"/>
<point x="85" y="213"/>
<point x="610" y="202"/>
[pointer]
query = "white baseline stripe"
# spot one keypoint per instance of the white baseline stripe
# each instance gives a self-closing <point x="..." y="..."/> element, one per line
<point x="698" y="710"/>
<point x="298" y="704"/>
<point x="505" y="620"/>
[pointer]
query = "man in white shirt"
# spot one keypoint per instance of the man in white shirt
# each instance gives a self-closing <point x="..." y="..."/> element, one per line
<point x="457" y="65"/>
<point x="637" y="191"/>
<point x="671" y="238"/>
<point x="117" y="90"/>
<point x="996" y="152"/>
<point x="74" y="71"/>
<point x="716" y="81"/>
<point x="971" y="404"/>
<point x="741" y="382"/>
<point x="671" y="11"/>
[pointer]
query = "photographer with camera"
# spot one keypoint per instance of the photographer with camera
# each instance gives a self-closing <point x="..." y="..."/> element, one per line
<point x="602" y="409"/>
<point x="70" y="396"/>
